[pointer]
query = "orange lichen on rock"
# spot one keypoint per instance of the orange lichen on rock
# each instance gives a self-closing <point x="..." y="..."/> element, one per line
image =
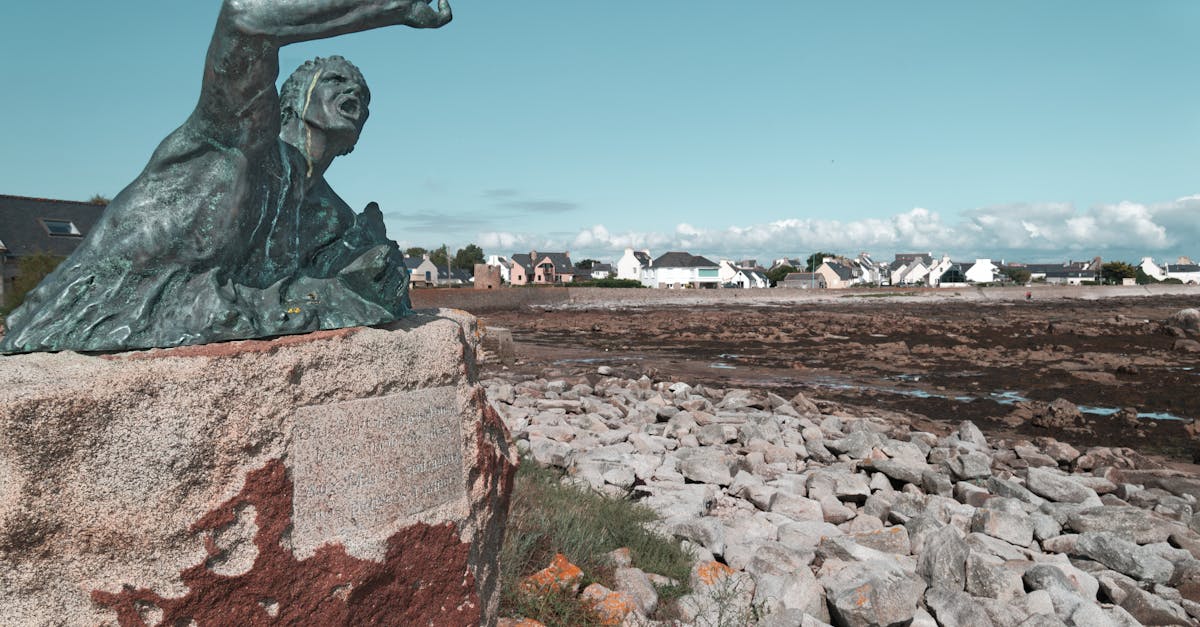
<point x="561" y="574"/>
<point x="709" y="573"/>
<point x="863" y="595"/>
<point x="610" y="607"/>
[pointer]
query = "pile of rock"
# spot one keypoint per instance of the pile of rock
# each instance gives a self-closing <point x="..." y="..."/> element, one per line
<point x="813" y="514"/>
<point x="1183" y="324"/>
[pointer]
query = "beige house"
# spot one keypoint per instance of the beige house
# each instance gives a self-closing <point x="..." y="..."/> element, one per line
<point x="837" y="275"/>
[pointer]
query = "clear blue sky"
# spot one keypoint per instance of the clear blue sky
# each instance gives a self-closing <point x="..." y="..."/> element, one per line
<point x="1022" y="129"/>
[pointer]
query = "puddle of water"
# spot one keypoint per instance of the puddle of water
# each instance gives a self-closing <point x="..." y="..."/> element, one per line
<point x="1109" y="411"/>
<point x="594" y="360"/>
<point x="722" y="366"/>
<point x="1153" y="415"/>
<point x="1007" y="397"/>
<point x="729" y="356"/>
<point x="1012" y="398"/>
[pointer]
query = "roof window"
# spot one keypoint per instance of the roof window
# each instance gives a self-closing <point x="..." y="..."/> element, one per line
<point x="64" y="228"/>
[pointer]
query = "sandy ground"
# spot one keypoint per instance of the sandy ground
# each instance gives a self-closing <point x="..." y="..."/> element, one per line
<point x="996" y="363"/>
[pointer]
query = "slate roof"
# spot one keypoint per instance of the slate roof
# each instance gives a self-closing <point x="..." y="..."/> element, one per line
<point x="955" y="268"/>
<point x="522" y="259"/>
<point x="23" y="232"/>
<point x="601" y="267"/>
<point x="412" y="263"/>
<point x="642" y="257"/>
<point x="1039" y="268"/>
<point x="561" y="261"/>
<point x="903" y="258"/>
<point x="1063" y="273"/>
<point x="808" y="278"/>
<point x="906" y="258"/>
<point x="844" y="273"/>
<point x="457" y="274"/>
<point x="751" y="273"/>
<point x="683" y="260"/>
<point x="1181" y="267"/>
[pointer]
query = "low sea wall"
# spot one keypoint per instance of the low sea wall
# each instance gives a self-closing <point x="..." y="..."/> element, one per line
<point x="509" y="298"/>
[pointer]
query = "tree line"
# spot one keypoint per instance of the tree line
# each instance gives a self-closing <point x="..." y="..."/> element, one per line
<point x="464" y="258"/>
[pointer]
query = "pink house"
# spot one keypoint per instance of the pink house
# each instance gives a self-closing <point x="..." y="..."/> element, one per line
<point x="541" y="268"/>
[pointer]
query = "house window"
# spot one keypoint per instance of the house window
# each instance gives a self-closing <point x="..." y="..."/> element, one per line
<point x="428" y="277"/>
<point x="61" y="227"/>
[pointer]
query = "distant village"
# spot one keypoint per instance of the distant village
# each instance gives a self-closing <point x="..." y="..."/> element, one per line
<point x="37" y="232"/>
<point x="684" y="270"/>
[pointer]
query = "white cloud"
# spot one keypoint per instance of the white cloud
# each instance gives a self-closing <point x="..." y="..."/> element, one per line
<point x="1029" y="231"/>
<point x="500" y="240"/>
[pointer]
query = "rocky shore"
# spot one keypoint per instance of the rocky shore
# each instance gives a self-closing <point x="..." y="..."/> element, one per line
<point x="804" y="512"/>
<point x="1125" y="364"/>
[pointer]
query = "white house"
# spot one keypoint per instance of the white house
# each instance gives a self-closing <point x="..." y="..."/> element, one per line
<point x="680" y="269"/>
<point x="1151" y="269"/>
<point x="601" y="270"/>
<point x="741" y="275"/>
<point x="910" y="268"/>
<point x="1069" y="273"/>
<point x="915" y="273"/>
<point x="1186" y="272"/>
<point x="421" y="271"/>
<point x="869" y="271"/>
<point x="948" y="274"/>
<point x="938" y="269"/>
<point x="749" y="278"/>
<point x="633" y="264"/>
<point x="982" y="271"/>
<point x="727" y="271"/>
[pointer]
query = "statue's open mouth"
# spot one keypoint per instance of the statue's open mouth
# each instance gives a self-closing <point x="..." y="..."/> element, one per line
<point x="349" y="108"/>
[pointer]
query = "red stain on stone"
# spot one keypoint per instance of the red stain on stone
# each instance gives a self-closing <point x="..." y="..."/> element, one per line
<point x="237" y="347"/>
<point x="490" y="481"/>
<point x="494" y="461"/>
<point x="424" y="580"/>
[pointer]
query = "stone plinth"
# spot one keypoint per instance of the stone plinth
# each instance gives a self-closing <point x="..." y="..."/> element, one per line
<point x="342" y="477"/>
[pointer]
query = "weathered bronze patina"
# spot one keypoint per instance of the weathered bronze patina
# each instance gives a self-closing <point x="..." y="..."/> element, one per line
<point x="231" y="231"/>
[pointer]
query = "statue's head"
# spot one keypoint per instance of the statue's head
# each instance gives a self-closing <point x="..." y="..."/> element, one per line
<point x="329" y="94"/>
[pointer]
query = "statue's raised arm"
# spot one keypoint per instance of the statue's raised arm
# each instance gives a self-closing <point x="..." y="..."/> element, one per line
<point x="238" y="103"/>
<point x="231" y="231"/>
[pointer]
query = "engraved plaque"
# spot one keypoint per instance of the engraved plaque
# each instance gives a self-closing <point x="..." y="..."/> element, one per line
<point x="362" y="468"/>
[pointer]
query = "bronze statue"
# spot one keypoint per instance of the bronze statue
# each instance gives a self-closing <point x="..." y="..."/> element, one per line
<point x="231" y="231"/>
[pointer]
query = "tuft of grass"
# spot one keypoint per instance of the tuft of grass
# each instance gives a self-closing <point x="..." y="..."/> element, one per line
<point x="547" y="516"/>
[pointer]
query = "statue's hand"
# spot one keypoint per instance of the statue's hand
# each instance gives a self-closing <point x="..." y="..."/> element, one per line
<point x="421" y="15"/>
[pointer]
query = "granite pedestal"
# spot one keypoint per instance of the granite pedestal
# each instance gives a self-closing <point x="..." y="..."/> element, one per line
<point x="343" y="477"/>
